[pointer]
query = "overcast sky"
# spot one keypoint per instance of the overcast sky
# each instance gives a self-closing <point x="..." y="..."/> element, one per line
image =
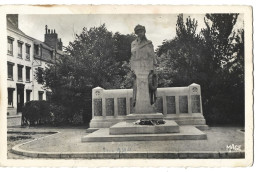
<point x="158" y="27"/>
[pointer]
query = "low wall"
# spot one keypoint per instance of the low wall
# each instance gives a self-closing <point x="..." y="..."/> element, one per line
<point x="182" y="104"/>
<point x="14" y="120"/>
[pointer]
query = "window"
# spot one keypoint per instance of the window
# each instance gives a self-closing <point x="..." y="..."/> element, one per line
<point x="10" y="70"/>
<point x="10" y="45"/>
<point x="20" y="72"/>
<point x="40" y="94"/>
<point x="28" y="51"/>
<point x="28" y="70"/>
<point x="20" y="49"/>
<point x="10" y="97"/>
<point x="36" y="50"/>
<point x="40" y="75"/>
<point x="28" y="95"/>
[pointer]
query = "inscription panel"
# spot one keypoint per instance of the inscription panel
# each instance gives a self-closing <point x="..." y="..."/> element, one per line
<point x="109" y="106"/>
<point x="131" y="106"/>
<point x="121" y="103"/>
<point x="97" y="107"/>
<point x="195" y="103"/>
<point x="159" y="105"/>
<point x="171" y="106"/>
<point x="183" y="104"/>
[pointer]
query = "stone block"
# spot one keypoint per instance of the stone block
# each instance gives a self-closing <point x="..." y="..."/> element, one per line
<point x="144" y="116"/>
<point x="15" y="120"/>
<point x="130" y="128"/>
<point x="186" y="133"/>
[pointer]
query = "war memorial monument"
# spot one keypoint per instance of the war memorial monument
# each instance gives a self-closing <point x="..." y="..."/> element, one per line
<point x="146" y="113"/>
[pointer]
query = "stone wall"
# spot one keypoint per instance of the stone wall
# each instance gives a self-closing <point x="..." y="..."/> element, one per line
<point x="182" y="104"/>
<point x="14" y="120"/>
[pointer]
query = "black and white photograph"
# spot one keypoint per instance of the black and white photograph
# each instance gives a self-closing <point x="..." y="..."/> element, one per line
<point x="126" y="85"/>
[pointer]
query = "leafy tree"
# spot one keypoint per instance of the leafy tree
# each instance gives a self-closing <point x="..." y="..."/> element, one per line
<point x="214" y="58"/>
<point x="95" y="58"/>
<point x="181" y="55"/>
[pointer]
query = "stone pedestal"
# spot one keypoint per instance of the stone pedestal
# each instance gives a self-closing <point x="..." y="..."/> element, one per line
<point x="143" y="105"/>
<point x="131" y="128"/>
<point x="142" y="65"/>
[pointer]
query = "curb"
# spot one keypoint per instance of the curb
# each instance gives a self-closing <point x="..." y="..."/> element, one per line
<point x="130" y="155"/>
<point x="126" y="155"/>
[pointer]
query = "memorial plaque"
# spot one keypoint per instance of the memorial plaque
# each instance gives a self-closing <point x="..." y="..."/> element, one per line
<point x="159" y="105"/>
<point x="97" y="107"/>
<point x="121" y="103"/>
<point x="183" y="104"/>
<point x="195" y="103"/>
<point x="131" y="106"/>
<point x="109" y="106"/>
<point x="171" y="106"/>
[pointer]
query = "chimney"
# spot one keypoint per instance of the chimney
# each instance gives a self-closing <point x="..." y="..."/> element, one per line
<point x="60" y="45"/>
<point x="51" y="38"/>
<point x="13" y="18"/>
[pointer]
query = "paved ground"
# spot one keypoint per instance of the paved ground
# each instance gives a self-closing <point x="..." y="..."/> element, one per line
<point x="69" y="140"/>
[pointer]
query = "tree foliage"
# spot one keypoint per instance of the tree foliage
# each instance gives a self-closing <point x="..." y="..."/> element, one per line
<point x="96" y="57"/>
<point x="213" y="58"/>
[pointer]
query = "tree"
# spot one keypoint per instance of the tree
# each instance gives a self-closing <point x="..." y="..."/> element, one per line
<point x="95" y="58"/>
<point x="180" y="58"/>
<point x="224" y="86"/>
<point x="214" y="58"/>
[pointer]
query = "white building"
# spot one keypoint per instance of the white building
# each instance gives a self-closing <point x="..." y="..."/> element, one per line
<point x="25" y="55"/>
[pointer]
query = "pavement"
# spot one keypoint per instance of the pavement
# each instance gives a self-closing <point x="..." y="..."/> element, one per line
<point x="66" y="143"/>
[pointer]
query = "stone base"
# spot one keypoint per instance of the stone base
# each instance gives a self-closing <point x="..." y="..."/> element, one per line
<point x="197" y="120"/>
<point x="186" y="133"/>
<point x="131" y="128"/>
<point x="152" y="116"/>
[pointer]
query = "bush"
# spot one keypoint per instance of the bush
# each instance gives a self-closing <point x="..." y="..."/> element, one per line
<point x="58" y="114"/>
<point x="42" y="112"/>
<point x="36" y="112"/>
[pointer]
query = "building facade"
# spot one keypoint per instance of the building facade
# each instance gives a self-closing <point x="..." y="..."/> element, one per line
<point x="26" y="56"/>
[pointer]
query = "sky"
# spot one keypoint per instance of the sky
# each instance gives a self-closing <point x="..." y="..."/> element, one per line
<point x="158" y="27"/>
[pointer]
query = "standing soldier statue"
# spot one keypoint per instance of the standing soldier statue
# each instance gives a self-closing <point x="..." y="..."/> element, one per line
<point x="146" y="81"/>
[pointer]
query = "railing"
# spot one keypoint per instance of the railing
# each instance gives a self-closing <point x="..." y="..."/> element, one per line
<point x="171" y="100"/>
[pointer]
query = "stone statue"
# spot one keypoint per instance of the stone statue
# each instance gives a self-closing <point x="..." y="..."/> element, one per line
<point x="142" y="63"/>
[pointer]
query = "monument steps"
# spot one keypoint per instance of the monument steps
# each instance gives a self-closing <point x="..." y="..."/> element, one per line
<point x="191" y="122"/>
<point x="186" y="133"/>
<point x="101" y="123"/>
<point x="131" y="128"/>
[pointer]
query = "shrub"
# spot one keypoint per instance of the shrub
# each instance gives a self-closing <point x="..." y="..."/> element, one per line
<point x="41" y="112"/>
<point x="58" y="114"/>
<point x="36" y="112"/>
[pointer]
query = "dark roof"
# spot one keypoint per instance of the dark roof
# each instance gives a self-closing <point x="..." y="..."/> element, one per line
<point x="11" y="27"/>
<point x="44" y="45"/>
